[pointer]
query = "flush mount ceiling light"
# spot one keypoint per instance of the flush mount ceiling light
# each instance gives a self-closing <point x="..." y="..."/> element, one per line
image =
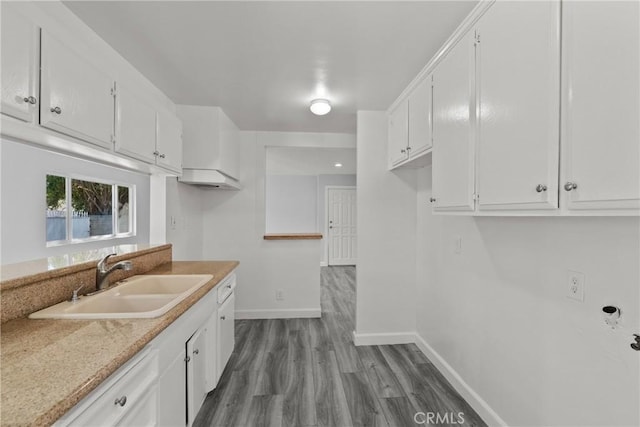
<point x="320" y="107"/>
<point x="338" y="165"/>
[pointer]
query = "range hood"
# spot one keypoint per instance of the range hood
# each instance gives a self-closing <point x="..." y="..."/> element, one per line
<point x="210" y="178"/>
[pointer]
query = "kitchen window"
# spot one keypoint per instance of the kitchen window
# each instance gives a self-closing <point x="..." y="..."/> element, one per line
<point x="81" y="210"/>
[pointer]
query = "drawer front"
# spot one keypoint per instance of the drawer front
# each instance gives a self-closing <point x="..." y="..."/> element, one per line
<point x="124" y="396"/>
<point x="226" y="288"/>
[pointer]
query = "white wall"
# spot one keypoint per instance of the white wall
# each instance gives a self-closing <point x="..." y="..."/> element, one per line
<point x="234" y="226"/>
<point x="499" y="315"/>
<point x="23" y="193"/>
<point x="292" y="204"/>
<point x="386" y="239"/>
<point x="184" y="219"/>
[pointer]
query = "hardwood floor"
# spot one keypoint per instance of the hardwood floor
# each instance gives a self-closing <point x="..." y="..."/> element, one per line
<point x="307" y="372"/>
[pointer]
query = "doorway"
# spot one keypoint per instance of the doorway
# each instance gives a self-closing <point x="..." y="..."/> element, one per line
<point x="340" y="225"/>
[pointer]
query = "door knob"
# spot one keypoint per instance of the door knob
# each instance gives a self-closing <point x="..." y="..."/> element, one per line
<point x="570" y="186"/>
<point x="540" y="188"/>
<point x="30" y="99"/>
<point x="56" y="110"/>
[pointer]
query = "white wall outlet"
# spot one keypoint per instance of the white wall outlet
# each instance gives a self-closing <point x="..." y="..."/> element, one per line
<point x="173" y="221"/>
<point x="457" y="245"/>
<point x="575" y="285"/>
<point x="279" y="295"/>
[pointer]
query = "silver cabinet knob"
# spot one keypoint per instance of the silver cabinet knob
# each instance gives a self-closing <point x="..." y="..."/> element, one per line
<point x="432" y="199"/>
<point x="196" y="351"/>
<point x="56" y="110"/>
<point x="156" y="153"/>
<point x="408" y="149"/>
<point x="570" y="186"/>
<point x="162" y="156"/>
<point x="223" y="317"/>
<point x="30" y="99"/>
<point x="121" y="401"/>
<point x="541" y="187"/>
<point x="403" y="151"/>
<point x="187" y="359"/>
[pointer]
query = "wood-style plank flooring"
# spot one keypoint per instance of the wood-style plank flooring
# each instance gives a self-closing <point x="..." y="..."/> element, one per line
<point x="307" y="372"/>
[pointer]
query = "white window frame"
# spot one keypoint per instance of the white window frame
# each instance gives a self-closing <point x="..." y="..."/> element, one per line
<point x="114" y="210"/>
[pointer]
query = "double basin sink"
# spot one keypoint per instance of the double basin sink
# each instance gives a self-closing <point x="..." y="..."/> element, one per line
<point x="136" y="297"/>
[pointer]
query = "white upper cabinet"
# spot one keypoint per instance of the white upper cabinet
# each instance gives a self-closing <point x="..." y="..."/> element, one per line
<point x="601" y="99"/>
<point x="19" y="65"/>
<point x="420" y="118"/>
<point x="135" y="126"/>
<point x="518" y="87"/>
<point x="453" y="139"/>
<point x="76" y="96"/>
<point x="398" y="133"/>
<point x="169" y="142"/>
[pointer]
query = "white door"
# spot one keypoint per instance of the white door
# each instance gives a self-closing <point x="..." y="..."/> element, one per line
<point x="601" y="106"/>
<point x="420" y="109"/>
<point x="169" y="142"/>
<point x="135" y="126"/>
<point x="453" y="144"/>
<point x="398" y="133"/>
<point x="76" y="96"/>
<point x="211" y="331"/>
<point x="19" y="62"/>
<point x="172" y="396"/>
<point x="341" y="209"/>
<point x="518" y="83"/>
<point x="226" y="330"/>
<point x="196" y="374"/>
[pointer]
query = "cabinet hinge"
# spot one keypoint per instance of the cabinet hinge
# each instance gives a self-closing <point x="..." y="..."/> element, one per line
<point x="113" y="91"/>
<point x="476" y="196"/>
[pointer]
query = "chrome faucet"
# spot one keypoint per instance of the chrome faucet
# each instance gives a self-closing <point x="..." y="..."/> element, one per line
<point x="102" y="272"/>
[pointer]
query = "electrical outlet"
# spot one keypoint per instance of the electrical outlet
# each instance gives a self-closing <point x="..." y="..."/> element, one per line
<point x="173" y="222"/>
<point x="279" y="295"/>
<point x="575" y="285"/>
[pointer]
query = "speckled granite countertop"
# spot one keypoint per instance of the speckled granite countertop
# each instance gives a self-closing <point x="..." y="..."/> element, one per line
<point x="48" y="366"/>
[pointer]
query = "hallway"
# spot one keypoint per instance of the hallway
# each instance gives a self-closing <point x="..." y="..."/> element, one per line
<point x="307" y="372"/>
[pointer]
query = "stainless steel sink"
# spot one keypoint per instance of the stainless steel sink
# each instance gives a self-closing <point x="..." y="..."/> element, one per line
<point x="136" y="297"/>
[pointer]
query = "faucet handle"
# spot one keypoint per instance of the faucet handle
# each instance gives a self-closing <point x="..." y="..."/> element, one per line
<point x="103" y="261"/>
<point x="75" y="296"/>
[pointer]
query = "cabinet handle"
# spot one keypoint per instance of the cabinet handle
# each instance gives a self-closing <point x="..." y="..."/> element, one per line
<point x="196" y="351"/>
<point x="570" y="186"/>
<point x="162" y="156"/>
<point x="432" y="199"/>
<point x="187" y="359"/>
<point x="223" y="317"/>
<point x="56" y="110"/>
<point x="121" y="401"/>
<point x="540" y="188"/>
<point x="30" y="99"/>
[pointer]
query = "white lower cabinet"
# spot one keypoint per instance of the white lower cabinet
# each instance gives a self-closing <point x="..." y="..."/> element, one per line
<point x="124" y="396"/>
<point x="167" y="383"/>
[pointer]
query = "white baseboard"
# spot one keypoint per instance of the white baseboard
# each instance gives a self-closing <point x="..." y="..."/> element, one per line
<point x="324" y="264"/>
<point x="384" y="338"/>
<point x="477" y="403"/>
<point x="278" y="314"/>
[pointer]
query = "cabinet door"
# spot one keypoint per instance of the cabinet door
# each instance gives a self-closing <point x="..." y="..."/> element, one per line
<point x="196" y="374"/>
<point x="169" y="142"/>
<point x="211" y="328"/>
<point x="601" y="99"/>
<point x="453" y="144"/>
<point x="518" y="63"/>
<point x="398" y="133"/>
<point x="19" y="62"/>
<point x="226" y="339"/>
<point x="420" y="109"/>
<point x="172" y="398"/>
<point x="135" y="126"/>
<point x="76" y="96"/>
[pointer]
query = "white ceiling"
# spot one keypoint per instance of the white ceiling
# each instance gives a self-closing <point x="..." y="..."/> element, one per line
<point x="264" y="61"/>
<point x="310" y="161"/>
